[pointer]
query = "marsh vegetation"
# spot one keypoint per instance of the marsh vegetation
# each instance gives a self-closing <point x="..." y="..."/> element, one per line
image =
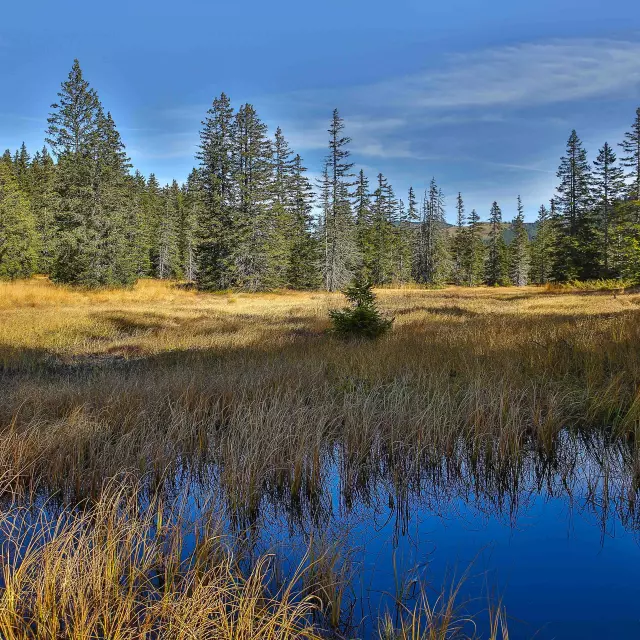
<point x="187" y="465"/>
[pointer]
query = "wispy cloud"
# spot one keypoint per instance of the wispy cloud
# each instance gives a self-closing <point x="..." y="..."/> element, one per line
<point x="488" y="87"/>
<point x="519" y="75"/>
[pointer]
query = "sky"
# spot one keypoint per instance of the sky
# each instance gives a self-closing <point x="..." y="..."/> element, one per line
<point x="480" y="95"/>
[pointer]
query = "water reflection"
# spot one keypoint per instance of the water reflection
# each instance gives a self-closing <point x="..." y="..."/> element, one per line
<point x="554" y="533"/>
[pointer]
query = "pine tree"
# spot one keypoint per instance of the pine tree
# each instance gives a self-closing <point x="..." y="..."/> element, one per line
<point x="519" y="250"/>
<point x="495" y="269"/>
<point x="576" y="249"/>
<point x="608" y="183"/>
<point x="542" y="247"/>
<point x="217" y="247"/>
<point x="341" y="256"/>
<point x="18" y="235"/>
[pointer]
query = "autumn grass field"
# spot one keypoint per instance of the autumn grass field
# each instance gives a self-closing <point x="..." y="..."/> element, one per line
<point x="141" y="384"/>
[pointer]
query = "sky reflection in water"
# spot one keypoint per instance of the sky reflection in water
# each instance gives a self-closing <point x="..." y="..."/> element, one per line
<point x="558" y="543"/>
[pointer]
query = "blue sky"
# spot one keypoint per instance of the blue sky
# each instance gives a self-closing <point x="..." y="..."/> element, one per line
<point x="481" y="95"/>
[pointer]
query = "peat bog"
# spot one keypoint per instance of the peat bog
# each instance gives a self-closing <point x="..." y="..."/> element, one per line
<point x="177" y="464"/>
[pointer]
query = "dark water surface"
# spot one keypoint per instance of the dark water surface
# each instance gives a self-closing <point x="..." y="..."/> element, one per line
<point x="557" y="542"/>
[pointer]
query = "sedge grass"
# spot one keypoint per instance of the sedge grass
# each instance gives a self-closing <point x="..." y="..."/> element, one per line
<point x="156" y="379"/>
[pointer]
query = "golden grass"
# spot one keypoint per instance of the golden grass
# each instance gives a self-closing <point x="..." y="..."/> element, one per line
<point x="97" y="382"/>
<point x="115" y="572"/>
<point x="157" y="378"/>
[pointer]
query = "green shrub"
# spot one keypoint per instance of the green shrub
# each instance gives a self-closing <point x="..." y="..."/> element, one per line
<point x="362" y="319"/>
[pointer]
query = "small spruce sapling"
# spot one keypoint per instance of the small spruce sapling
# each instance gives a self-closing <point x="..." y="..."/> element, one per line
<point x="362" y="319"/>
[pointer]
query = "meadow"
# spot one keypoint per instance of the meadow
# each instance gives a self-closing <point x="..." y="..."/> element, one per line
<point x="110" y="399"/>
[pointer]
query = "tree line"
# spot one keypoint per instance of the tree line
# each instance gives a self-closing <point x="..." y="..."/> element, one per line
<point x="249" y="217"/>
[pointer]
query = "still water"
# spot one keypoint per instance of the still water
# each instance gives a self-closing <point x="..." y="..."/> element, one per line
<point x="556" y="543"/>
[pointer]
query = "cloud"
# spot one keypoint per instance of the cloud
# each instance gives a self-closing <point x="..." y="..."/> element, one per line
<point x="395" y="117"/>
<point x="519" y="75"/>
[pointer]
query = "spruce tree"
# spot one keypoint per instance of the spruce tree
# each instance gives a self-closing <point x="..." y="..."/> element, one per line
<point x="22" y="166"/>
<point x="519" y="250"/>
<point x="608" y="184"/>
<point x="304" y="261"/>
<point x="432" y="260"/>
<point x="323" y="184"/>
<point x="218" y="244"/>
<point x="44" y="204"/>
<point x="188" y="234"/>
<point x="631" y="159"/>
<point x="363" y="219"/>
<point x="542" y="248"/>
<point x="90" y="181"/>
<point x="115" y="259"/>
<point x="576" y="249"/>
<point x="280" y="215"/>
<point x="72" y="135"/>
<point x="6" y="159"/>
<point x="153" y="207"/>
<point x="18" y="235"/>
<point x="252" y="157"/>
<point x="380" y="248"/>
<point x="137" y="224"/>
<point x="168" y="264"/>
<point x="473" y="253"/>
<point x="458" y="243"/>
<point x="628" y="212"/>
<point x="406" y="237"/>
<point x="341" y="255"/>
<point x="497" y="262"/>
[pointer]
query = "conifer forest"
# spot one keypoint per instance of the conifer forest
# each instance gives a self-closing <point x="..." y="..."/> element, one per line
<point x="249" y="218"/>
